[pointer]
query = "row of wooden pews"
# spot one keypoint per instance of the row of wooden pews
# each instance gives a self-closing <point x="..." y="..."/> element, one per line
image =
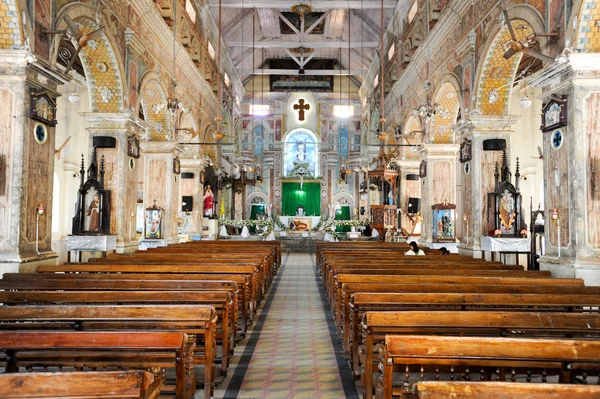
<point x="176" y="312"/>
<point x="407" y="320"/>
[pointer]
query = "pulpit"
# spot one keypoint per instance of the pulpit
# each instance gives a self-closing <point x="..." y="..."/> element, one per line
<point x="385" y="180"/>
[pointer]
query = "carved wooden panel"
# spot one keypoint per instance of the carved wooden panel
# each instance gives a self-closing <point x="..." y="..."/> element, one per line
<point x="593" y="169"/>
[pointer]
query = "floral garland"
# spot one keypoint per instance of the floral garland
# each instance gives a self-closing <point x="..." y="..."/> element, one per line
<point x="268" y="223"/>
<point x="322" y="220"/>
<point x="279" y="223"/>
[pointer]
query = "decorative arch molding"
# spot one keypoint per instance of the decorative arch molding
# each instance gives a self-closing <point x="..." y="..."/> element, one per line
<point x="448" y="98"/>
<point x="343" y="199"/>
<point x="152" y="95"/>
<point x="306" y="129"/>
<point x="494" y="71"/>
<point x="102" y="64"/>
<point x="254" y="198"/>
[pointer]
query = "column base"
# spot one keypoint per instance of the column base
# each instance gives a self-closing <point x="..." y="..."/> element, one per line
<point x="29" y="264"/>
<point x="128" y="248"/>
<point x="470" y="250"/>
<point x="587" y="269"/>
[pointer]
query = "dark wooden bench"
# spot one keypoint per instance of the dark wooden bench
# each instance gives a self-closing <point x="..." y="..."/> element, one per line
<point x="220" y="300"/>
<point x="91" y="351"/>
<point x="47" y="283"/>
<point x="504" y="390"/>
<point x="198" y="321"/>
<point x="376" y="325"/>
<point x="86" y="385"/>
<point x="419" y="358"/>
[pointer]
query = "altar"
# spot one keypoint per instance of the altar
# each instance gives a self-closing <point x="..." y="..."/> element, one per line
<point x="299" y="221"/>
<point x="504" y="246"/>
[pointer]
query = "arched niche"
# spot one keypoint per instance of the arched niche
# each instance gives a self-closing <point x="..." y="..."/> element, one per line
<point x="301" y="145"/>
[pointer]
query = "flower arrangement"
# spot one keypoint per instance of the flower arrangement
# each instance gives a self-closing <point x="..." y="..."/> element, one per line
<point x="268" y="223"/>
<point x="279" y="223"/>
<point x="523" y="233"/>
<point x="497" y="233"/>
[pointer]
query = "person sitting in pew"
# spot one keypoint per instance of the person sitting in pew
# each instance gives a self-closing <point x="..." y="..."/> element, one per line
<point x="414" y="250"/>
<point x="444" y="251"/>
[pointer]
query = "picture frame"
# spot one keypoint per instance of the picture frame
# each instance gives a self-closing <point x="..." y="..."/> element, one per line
<point x="40" y="133"/>
<point x="423" y="169"/>
<point x="153" y="218"/>
<point x="554" y="114"/>
<point x="42" y="108"/>
<point x="466" y="151"/>
<point x="133" y="147"/>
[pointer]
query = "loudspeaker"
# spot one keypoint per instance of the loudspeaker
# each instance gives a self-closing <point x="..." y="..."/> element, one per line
<point x="494" y="145"/>
<point x="414" y="205"/>
<point x="187" y="203"/>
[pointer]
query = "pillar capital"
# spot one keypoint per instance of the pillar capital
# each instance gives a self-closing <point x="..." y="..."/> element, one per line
<point x="113" y="123"/>
<point x="440" y="150"/>
<point x="161" y="147"/>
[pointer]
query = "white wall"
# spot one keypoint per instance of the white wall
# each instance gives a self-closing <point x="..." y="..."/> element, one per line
<point x="524" y="142"/>
<point x="70" y="123"/>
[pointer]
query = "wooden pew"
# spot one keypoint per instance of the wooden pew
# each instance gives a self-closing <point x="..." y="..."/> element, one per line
<point x="245" y="304"/>
<point x="47" y="283"/>
<point x="220" y="300"/>
<point x="485" y="359"/>
<point x="198" y="321"/>
<point x="86" y="385"/>
<point x="438" y="302"/>
<point x="153" y="351"/>
<point x="504" y="390"/>
<point x="376" y="325"/>
<point x="166" y="270"/>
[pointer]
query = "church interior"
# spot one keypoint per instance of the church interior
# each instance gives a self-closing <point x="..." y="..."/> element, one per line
<point x="238" y="188"/>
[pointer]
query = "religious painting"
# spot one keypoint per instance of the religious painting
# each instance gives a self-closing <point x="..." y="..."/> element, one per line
<point x="343" y="144"/>
<point x="443" y="222"/>
<point x="309" y="19"/>
<point x="554" y="114"/>
<point x="92" y="213"/>
<point x="300" y="224"/>
<point x="133" y="147"/>
<point x="176" y="166"/>
<point x="259" y="141"/>
<point x="278" y="130"/>
<point x="209" y="199"/>
<point x="153" y="226"/>
<point x="506" y="212"/>
<point x="465" y="151"/>
<point x="295" y="83"/>
<point x="133" y="84"/>
<point x="423" y="169"/>
<point x="467" y="83"/>
<point x="43" y="108"/>
<point x="245" y="123"/>
<point x="301" y="147"/>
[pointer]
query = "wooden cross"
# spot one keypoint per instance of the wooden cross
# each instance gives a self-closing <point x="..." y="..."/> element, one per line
<point x="301" y="107"/>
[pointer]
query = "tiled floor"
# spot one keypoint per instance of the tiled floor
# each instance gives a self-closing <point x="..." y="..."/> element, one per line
<point x="288" y="352"/>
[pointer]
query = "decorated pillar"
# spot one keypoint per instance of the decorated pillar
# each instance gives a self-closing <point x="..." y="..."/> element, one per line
<point x="438" y="174"/>
<point x="478" y="174"/>
<point x="191" y="186"/>
<point x="161" y="183"/>
<point x="27" y="144"/>
<point x="570" y="120"/>
<point x="116" y="136"/>
<point x="410" y="187"/>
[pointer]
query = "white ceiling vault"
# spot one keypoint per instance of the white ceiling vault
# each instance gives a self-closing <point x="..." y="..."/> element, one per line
<point x="327" y="36"/>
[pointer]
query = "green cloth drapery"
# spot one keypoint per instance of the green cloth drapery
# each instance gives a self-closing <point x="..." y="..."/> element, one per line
<point x="309" y="197"/>
<point x="256" y="209"/>
<point x="342" y="213"/>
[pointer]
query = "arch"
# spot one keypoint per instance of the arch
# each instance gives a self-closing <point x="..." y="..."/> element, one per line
<point x="185" y="136"/>
<point x="11" y="35"/>
<point x="102" y="65"/>
<point x="447" y="97"/>
<point x="495" y="71"/>
<point x="412" y="135"/>
<point x="152" y="100"/>
<point x="256" y="197"/>
<point x="343" y="199"/>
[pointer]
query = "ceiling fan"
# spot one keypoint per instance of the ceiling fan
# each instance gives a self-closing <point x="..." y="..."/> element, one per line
<point x="81" y="38"/>
<point x="515" y="46"/>
<point x="540" y="156"/>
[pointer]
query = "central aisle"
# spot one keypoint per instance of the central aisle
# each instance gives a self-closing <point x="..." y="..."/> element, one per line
<point x="289" y="351"/>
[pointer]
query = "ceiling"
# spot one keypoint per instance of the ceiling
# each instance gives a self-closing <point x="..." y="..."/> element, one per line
<point x="328" y="39"/>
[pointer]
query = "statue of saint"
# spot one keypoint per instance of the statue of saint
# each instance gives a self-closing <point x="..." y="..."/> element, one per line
<point x="208" y="201"/>
<point x="300" y="151"/>
<point x="94" y="213"/>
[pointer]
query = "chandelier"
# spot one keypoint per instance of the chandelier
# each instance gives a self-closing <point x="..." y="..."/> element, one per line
<point x="301" y="9"/>
<point x="428" y="110"/>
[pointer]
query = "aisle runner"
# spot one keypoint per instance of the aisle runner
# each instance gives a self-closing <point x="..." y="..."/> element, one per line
<point x="289" y="353"/>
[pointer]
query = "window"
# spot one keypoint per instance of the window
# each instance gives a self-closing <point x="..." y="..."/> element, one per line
<point x="211" y="50"/>
<point x="376" y="81"/>
<point x="356" y="143"/>
<point x="191" y="11"/>
<point x="391" y="52"/>
<point x="343" y="111"/>
<point x="226" y="79"/>
<point x="259" y="109"/>
<point x="413" y="11"/>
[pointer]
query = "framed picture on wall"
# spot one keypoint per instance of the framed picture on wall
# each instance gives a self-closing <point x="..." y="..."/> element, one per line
<point x="42" y="108"/>
<point x="423" y="169"/>
<point x="465" y="151"/>
<point x="176" y="166"/>
<point x="554" y="114"/>
<point x="133" y="147"/>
